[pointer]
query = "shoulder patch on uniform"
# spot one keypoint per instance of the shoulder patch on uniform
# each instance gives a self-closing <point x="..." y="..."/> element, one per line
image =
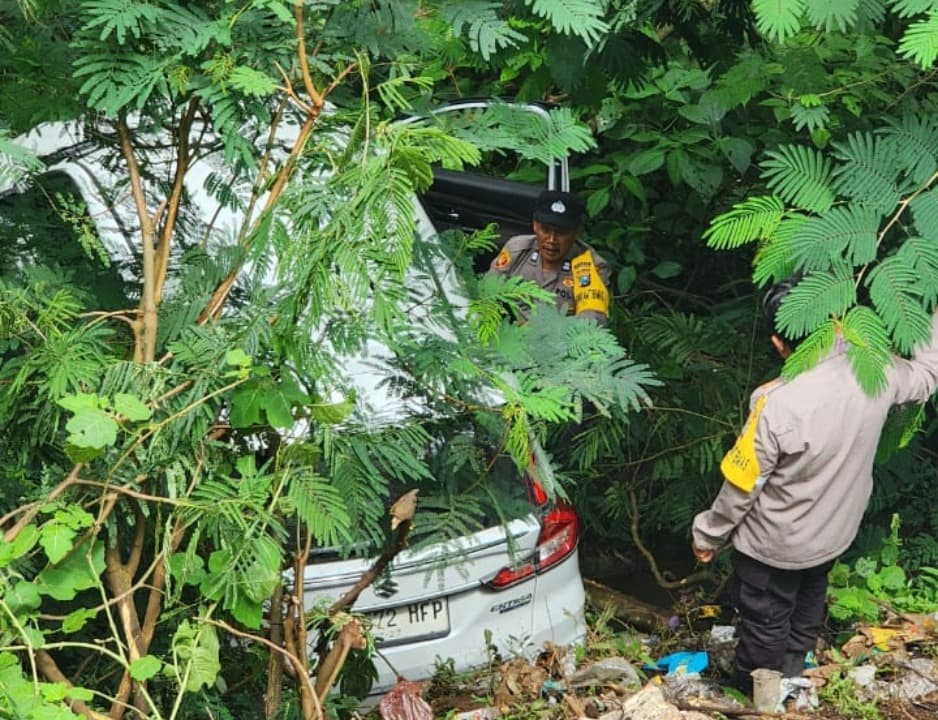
<point x="740" y="466"/>
<point x="504" y="257"/>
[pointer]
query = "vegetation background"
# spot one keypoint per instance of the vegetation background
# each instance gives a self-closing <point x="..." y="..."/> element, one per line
<point x="729" y="144"/>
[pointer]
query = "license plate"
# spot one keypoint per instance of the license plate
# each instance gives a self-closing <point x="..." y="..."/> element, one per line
<point x="407" y="623"/>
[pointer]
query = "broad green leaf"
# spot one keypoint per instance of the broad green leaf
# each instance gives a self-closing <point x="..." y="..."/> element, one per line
<point x="22" y="597"/>
<point x="331" y="413"/>
<point x="56" y="539"/>
<point x="131" y="407"/>
<point x="91" y="428"/>
<point x="73" y="574"/>
<point x="80" y="401"/>
<point x="145" y="667"/>
<point x="24" y="541"/>
<point x="77" y="619"/>
<point x="666" y="269"/>
<point x="196" y="646"/>
<point x="646" y="161"/>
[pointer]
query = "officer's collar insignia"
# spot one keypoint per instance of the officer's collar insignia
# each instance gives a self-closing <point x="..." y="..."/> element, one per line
<point x="534" y="256"/>
<point x="558" y="207"/>
<point x="584" y="280"/>
<point x="565" y="266"/>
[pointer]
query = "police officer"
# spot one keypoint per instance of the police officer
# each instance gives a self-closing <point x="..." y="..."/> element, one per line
<point x="556" y="259"/>
<point x="796" y="485"/>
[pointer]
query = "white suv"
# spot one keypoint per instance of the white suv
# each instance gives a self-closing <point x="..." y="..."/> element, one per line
<point x="517" y="581"/>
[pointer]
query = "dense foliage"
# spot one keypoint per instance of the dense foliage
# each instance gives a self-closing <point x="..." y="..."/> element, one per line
<point x="171" y="445"/>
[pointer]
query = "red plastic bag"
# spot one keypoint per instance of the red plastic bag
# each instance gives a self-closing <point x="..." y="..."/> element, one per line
<point x="404" y="701"/>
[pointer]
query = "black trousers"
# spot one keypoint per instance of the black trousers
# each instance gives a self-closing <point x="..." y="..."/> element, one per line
<point x="781" y="611"/>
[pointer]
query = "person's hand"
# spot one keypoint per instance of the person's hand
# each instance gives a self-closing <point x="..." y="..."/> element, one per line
<point x="703" y="556"/>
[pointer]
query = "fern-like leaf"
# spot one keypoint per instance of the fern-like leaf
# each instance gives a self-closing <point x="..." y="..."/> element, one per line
<point x="583" y="18"/>
<point x="914" y="140"/>
<point x="832" y="14"/>
<point x="891" y="283"/>
<point x="801" y="176"/>
<point x="753" y="219"/>
<point x="869" y="348"/>
<point x="842" y="233"/>
<point x="868" y="171"/>
<point x="925" y="214"/>
<point x="813" y="301"/>
<point x="487" y="33"/>
<point x="322" y="509"/>
<point x="910" y="8"/>
<point x="774" y="260"/>
<point x="810" y="351"/>
<point x="778" y="19"/>
<point x="922" y="256"/>
<point x="920" y="41"/>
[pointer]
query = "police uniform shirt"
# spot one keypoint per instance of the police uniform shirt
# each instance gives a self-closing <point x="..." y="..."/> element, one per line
<point x="581" y="283"/>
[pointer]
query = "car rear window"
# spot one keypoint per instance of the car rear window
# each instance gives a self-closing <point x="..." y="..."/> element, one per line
<point x="46" y="224"/>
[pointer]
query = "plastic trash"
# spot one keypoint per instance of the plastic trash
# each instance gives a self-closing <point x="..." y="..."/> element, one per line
<point x="404" y="701"/>
<point x="686" y="662"/>
<point x="610" y="669"/>
<point x="801" y="690"/>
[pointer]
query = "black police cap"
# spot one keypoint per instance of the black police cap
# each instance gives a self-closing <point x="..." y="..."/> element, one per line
<point x="559" y="209"/>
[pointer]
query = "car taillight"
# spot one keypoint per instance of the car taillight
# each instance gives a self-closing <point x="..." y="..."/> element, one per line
<point x="560" y="530"/>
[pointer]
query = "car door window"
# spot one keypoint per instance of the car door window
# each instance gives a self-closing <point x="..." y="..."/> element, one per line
<point x="505" y="185"/>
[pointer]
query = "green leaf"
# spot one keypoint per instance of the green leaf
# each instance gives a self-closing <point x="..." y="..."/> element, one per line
<point x="810" y="351"/>
<point x="582" y="18"/>
<point x="813" y="301"/>
<point x="907" y="321"/>
<point x="801" y="176"/>
<point x="868" y="171"/>
<point x="893" y="577"/>
<point x="22" y="597"/>
<point x="646" y="161"/>
<point x="753" y="219"/>
<point x="237" y="358"/>
<point x="252" y="82"/>
<point x="778" y="19"/>
<point x="869" y="351"/>
<point x="832" y="15"/>
<point x="920" y="41"/>
<point x="77" y="619"/>
<point x="196" y="646"/>
<point x="24" y="541"/>
<point x="143" y="668"/>
<point x="666" y="269"/>
<point x="332" y="413"/>
<point x="73" y="574"/>
<point x="131" y="407"/>
<point x="80" y="401"/>
<point x="845" y="232"/>
<point x="91" y="428"/>
<point x="56" y="539"/>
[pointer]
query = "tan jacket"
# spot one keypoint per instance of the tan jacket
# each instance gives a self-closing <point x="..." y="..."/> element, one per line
<point x="800" y="475"/>
<point x="581" y="284"/>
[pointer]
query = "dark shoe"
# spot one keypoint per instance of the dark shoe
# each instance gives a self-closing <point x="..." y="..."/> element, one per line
<point x="793" y="664"/>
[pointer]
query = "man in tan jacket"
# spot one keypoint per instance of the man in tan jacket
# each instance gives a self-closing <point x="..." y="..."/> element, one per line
<point x="555" y="258"/>
<point x="797" y="483"/>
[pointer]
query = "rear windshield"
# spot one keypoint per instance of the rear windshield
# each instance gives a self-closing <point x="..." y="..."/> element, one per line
<point x="46" y="225"/>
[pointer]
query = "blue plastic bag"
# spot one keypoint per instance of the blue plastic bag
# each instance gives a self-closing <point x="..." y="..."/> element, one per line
<point x="685" y="662"/>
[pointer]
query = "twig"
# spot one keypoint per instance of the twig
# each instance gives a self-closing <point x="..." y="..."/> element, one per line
<point x="692" y="579"/>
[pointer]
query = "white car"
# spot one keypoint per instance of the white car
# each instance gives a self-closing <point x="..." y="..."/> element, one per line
<point x="516" y="581"/>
